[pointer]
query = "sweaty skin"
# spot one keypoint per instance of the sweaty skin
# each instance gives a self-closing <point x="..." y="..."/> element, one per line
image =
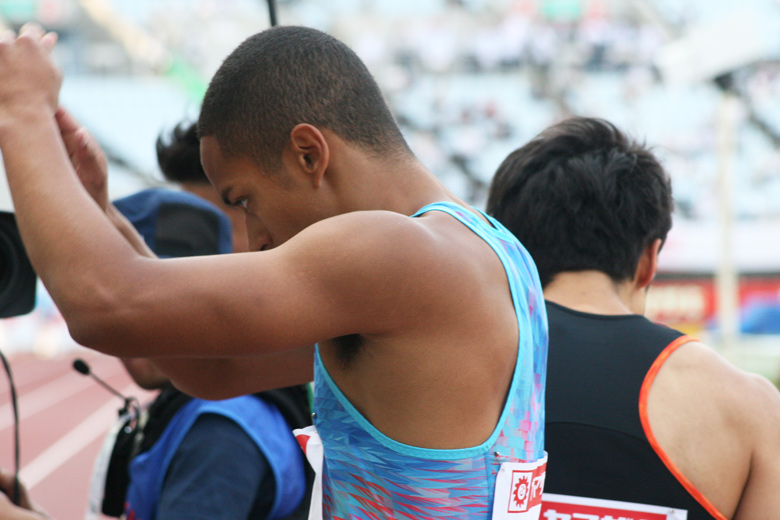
<point x="427" y="298"/>
<point x="720" y="426"/>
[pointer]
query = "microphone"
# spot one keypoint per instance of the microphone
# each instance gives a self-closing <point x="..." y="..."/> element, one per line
<point x="81" y="366"/>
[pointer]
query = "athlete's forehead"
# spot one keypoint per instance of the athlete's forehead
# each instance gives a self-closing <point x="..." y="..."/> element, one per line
<point x="211" y="156"/>
<point x="222" y="169"/>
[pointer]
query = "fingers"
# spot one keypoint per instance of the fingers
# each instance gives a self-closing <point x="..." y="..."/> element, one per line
<point x="49" y="41"/>
<point x="32" y="30"/>
<point x="36" y="33"/>
<point x="6" y="482"/>
<point x="84" y="153"/>
<point x="66" y="122"/>
<point x="75" y="137"/>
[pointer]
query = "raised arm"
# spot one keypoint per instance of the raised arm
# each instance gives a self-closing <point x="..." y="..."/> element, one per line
<point x="332" y="279"/>
<point x="90" y="165"/>
<point x="208" y="378"/>
<point x="50" y="204"/>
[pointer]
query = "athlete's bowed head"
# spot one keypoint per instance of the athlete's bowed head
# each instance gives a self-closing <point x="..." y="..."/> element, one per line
<point x="636" y="412"/>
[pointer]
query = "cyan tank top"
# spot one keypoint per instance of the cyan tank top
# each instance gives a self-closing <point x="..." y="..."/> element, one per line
<point x="367" y="475"/>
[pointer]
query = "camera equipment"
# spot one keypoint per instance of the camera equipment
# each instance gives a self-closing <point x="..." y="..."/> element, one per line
<point x="17" y="295"/>
<point x="17" y="278"/>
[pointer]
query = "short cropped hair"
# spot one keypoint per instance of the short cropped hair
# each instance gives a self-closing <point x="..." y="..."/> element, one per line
<point x="179" y="155"/>
<point x="583" y="196"/>
<point x="285" y="76"/>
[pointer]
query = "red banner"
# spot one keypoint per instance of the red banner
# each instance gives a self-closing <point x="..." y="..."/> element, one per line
<point x="564" y="507"/>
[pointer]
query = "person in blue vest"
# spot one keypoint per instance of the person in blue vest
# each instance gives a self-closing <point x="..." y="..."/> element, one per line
<point x="636" y="412"/>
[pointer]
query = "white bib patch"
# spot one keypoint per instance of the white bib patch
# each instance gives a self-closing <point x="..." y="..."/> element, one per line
<point x="519" y="487"/>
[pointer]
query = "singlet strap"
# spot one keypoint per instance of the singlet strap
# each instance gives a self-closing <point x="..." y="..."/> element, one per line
<point x="643" y="415"/>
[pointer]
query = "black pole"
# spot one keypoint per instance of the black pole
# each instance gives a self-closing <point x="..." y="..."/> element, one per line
<point x="272" y="12"/>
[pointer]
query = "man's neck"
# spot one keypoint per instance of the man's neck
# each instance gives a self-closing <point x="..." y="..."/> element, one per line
<point x="405" y="191"/>
<point x="592" y="292"/>
<point x="395" y="183"/>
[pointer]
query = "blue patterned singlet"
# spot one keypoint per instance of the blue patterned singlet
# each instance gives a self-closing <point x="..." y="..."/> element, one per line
<point x="366" y="475"/>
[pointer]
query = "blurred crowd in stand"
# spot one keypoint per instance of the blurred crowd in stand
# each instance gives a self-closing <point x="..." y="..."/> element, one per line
<point x="469" y="80"/>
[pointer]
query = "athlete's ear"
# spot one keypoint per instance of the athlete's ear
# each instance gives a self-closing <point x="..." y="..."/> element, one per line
<point x="310" y="151"/>
<point x="648" y="264"/>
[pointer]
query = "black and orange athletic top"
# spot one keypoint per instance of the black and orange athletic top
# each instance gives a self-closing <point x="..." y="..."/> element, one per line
<point x="599" y="373"/>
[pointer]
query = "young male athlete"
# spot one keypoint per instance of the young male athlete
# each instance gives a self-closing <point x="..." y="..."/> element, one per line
<point x="636" y="412"/>
<point x="430" y="331"/>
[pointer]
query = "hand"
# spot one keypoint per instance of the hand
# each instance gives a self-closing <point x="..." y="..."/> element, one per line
<point x="29" y="80"/>
<point x="26" y="508"/>
<point x="87" y="158"/>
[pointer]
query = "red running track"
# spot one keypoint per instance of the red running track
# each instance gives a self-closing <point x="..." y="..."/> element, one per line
<point x="64" y="417"/>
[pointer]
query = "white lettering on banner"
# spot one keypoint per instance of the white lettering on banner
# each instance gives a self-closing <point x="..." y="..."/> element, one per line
<point x="565" y="507"/>
<point x="519" y="488"/>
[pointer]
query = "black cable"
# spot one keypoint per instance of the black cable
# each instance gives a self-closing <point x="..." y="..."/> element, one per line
<point x="15" y="405"/>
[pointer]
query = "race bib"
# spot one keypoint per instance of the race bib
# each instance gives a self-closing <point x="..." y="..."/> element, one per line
<point x="311" y="444"/>
<point x="519" y="486"/>
<point x="564" y="507"/>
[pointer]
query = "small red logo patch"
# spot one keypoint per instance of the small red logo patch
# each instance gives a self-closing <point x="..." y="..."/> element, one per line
<point x="520" y="495"/>
<point x="521" y="491"/>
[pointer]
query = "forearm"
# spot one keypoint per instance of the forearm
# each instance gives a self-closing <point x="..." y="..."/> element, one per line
<point x="70" y="241"/>
<point x="127" y="230"/>
<point x="225" y="378"/>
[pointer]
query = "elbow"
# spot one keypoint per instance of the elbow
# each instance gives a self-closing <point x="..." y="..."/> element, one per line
<point x="108" y="309"/>
<point x="96" y="322"/>
<point x="83" y="331"/>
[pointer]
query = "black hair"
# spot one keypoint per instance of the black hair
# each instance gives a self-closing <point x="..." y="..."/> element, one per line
<point x="583" y="196"/>
<point x="179" y="155"/>
<point x="285" y="76"/>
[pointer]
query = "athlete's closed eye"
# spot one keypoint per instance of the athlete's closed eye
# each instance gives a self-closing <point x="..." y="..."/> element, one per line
<point x="231" y="201"/>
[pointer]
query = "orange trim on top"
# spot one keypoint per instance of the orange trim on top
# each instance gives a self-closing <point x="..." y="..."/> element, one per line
<point x="643" y="396"/>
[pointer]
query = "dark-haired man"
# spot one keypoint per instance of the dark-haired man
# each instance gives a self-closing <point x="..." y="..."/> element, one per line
<point x="178" y="155"/>
<point x="636" y="412"/>
<point x="429" y="370"/>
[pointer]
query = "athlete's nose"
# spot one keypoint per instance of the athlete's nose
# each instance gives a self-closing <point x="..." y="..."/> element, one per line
<point x="258" y="236"/>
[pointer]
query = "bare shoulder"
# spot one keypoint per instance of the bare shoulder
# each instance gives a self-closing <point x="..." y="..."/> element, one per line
<point x="372" y="263"/>
<point x="358" y="227"/>
<point x="743" y="395"/>
<point x="381" y="242"/>
<point x="718" y="425"/>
